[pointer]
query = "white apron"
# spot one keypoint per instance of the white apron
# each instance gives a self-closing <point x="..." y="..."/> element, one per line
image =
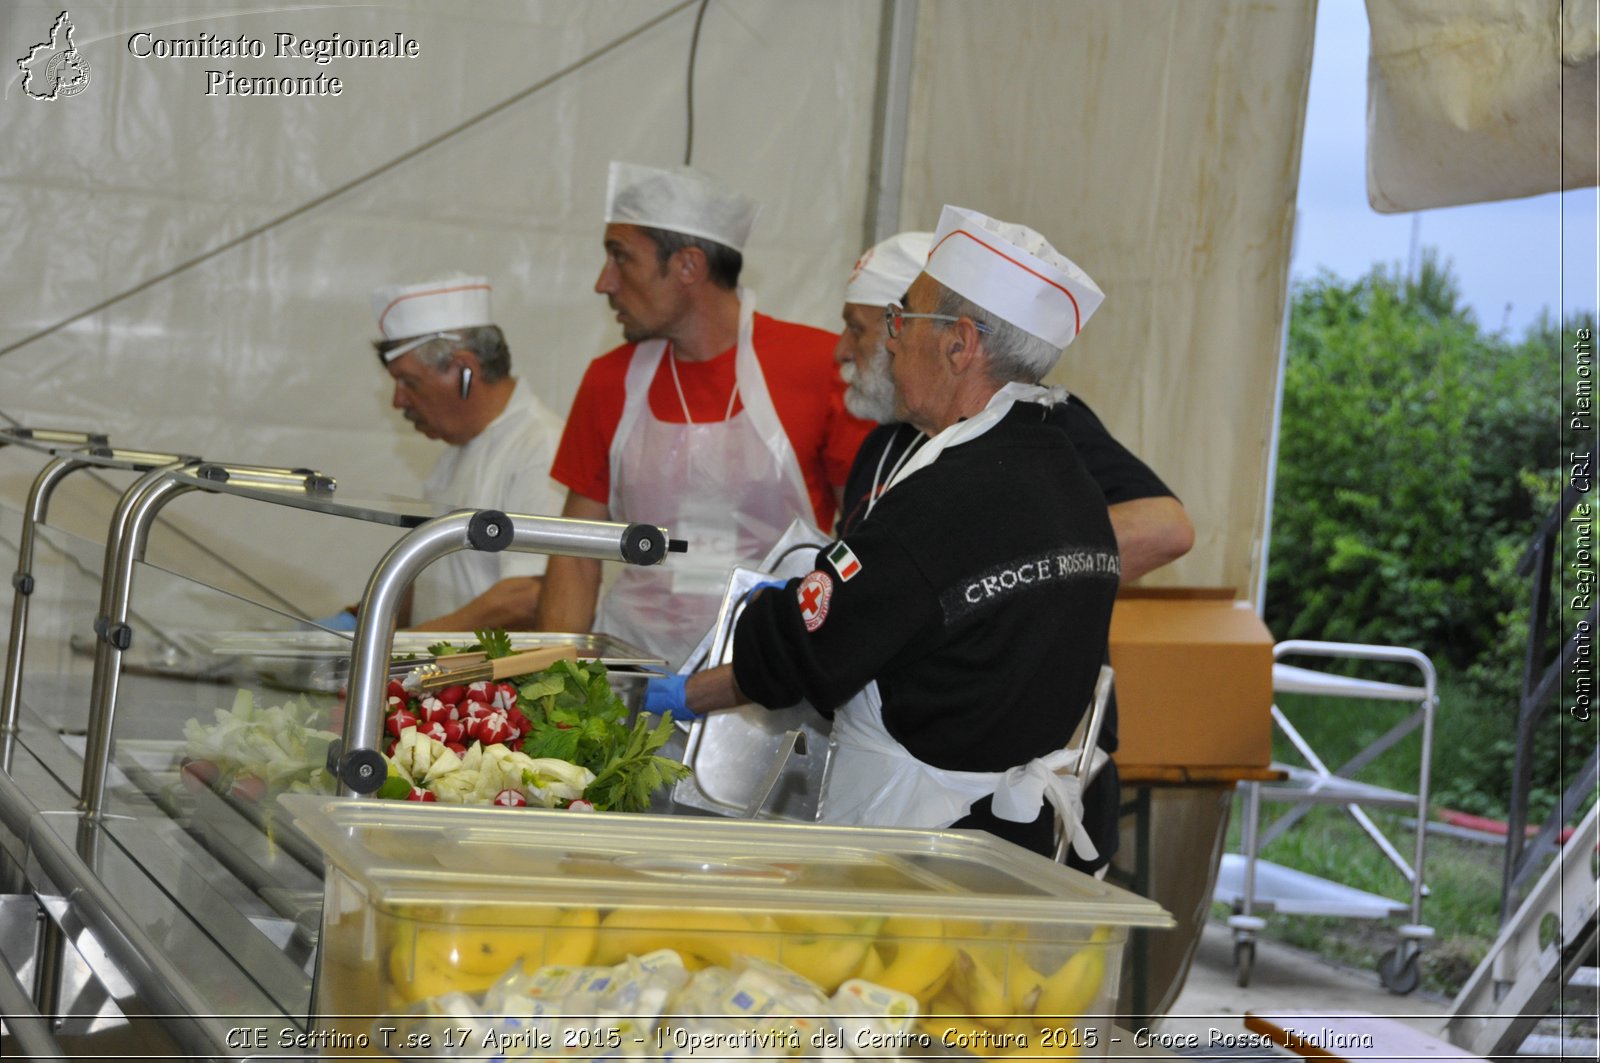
<point x="877" y="782"/>
<point x="728" y="488"/>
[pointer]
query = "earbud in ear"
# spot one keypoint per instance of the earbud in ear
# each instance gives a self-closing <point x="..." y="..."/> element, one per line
<point x="466" y="381"/>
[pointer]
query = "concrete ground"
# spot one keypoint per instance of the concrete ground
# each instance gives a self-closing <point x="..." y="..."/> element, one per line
<point x="1208" y="1018"/>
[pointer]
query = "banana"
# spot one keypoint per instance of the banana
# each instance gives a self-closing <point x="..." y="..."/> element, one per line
<point x="990" y="996"/>
<point x="980" y="990"/>
<point x="701" y="938"/>
<point x="872" y="965"/>
<point x="1072" y="990"/>
<point x="824" y="960"/>
<point x="427" y="980"/>
<point x="1024" y="985"/>
<point x="814" y="923"/>
<point x="827" y="949"/>
<point x="571" y="943"/>
<point x="922" y="960"/>
<point x="537" y="936"/>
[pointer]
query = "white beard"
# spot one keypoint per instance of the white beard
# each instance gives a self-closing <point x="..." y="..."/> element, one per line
<point x="870" y="395"/>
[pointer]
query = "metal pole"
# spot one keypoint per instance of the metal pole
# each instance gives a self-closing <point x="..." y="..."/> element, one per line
<point x="890" y="119"/>
<point x="34" y="1039"/>
<point x="357" y="763"/>
<point x="38" y="505"/>
<point x="125" y="542"/>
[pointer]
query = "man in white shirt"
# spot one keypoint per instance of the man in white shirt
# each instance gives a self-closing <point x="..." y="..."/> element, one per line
<point x="453" y="382"/>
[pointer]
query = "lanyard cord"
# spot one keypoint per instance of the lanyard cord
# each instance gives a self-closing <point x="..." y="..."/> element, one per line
<point x="878" y="479"/>
<point x="672" y="363"/>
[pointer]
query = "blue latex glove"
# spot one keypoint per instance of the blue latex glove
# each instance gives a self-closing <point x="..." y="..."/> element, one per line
<point x="664" y="696"/>
<point x="777" y="584"/>
<point x="344" y="620"/>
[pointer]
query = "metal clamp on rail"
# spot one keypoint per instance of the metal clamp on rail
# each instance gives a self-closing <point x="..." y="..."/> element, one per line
<point x="489" y="530"/>
<point x="52" y="437"/>
<point x="118" y="636"/>
<point x="141" y="460"/>
<point x="492" y="530"/>
<point x="308" y="480"/>
<point x="646" y="544"/>
<point x="360" y="770"/>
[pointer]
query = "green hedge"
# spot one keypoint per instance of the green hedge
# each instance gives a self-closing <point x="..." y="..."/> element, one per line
<point x="1417" y="455"/>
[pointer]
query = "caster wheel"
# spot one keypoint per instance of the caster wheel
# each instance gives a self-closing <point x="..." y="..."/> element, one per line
<point x="1400" y="970"/>
<point x="1244" y="959"/>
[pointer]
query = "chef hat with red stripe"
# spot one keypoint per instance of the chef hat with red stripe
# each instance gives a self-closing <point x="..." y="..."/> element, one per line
<point x="886" y="269"/>
<point x="1012" y="272"/>
<point x="421" y="312"/>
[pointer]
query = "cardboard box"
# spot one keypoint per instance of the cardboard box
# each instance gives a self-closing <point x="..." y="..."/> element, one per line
<point x="1194" y="679"/>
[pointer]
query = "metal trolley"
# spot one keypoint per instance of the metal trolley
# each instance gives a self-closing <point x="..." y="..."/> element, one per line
<point x="1253" y="887"/>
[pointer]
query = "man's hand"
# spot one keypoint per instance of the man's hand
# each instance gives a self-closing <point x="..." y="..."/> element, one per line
<point x="344" y="620"/>
<point x="665" y="696"/>
<point x="707" y="691"/>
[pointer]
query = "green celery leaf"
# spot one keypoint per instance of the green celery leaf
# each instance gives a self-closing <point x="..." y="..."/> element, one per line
<point x="395" y="787"/>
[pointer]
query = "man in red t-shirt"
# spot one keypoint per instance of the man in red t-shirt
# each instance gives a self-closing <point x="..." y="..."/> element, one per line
<point x="715" y="422"/>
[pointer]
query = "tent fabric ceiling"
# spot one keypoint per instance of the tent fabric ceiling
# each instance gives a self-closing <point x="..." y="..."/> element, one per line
<point x="1156" y="142"/>
<point x="1478" y="100"/>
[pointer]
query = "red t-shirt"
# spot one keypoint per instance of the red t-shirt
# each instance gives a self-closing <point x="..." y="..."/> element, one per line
<point x="806" y="389"/>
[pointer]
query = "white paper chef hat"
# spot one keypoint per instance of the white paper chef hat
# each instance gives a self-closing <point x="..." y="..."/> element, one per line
<point x="680" y="200"/>
<point x="886" y="269"/>
<point x="421" y="312"/>
<point x="1012" y="272"/>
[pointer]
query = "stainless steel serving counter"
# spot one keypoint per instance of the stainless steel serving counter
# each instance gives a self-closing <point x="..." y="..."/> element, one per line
<point x="142" y="912"/>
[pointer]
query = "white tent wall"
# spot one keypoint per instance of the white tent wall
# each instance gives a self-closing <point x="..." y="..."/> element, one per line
<point x="1155" y="141"/>
<point x="261" y="354"/>
<point x="1158" y="145"/>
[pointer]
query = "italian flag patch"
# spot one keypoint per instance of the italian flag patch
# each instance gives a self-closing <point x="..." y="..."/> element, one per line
<point x="843" y="561"/>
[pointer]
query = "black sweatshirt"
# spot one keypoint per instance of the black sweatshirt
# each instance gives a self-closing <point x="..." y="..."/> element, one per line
<point x="978" y="594"/>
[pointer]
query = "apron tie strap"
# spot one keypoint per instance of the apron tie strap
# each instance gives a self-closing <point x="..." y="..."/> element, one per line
<point x="1023" y="789"/>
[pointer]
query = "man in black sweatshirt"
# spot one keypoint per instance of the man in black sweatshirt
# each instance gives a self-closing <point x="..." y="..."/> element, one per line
<point x="957" y="631"/>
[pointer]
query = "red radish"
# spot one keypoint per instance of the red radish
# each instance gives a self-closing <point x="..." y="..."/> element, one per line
<point x="399" y="721"/>
<point x="199" y="774"/>
<point x="433" y="711"/>
<point x="494" y="728"/>
<point x="248" y="788"/>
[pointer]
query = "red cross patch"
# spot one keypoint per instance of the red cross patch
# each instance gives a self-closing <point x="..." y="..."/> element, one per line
<point x="814" y="592"/>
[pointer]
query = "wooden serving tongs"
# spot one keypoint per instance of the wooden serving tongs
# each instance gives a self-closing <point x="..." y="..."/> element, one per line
<point x="466" y="668"/>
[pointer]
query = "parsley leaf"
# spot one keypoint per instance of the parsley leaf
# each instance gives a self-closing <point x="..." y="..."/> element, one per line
<point x="575" y="716"/>
<point x="495" y="642"/>
<point x="634" y="772"/>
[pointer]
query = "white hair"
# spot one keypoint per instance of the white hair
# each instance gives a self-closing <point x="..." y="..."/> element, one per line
<point x="1014" y="354"/>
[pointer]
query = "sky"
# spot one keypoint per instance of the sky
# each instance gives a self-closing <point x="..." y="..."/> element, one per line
<point x="1512" y="258"/>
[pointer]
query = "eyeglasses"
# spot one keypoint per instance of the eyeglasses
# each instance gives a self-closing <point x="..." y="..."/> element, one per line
<point x="895" y="318"/>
